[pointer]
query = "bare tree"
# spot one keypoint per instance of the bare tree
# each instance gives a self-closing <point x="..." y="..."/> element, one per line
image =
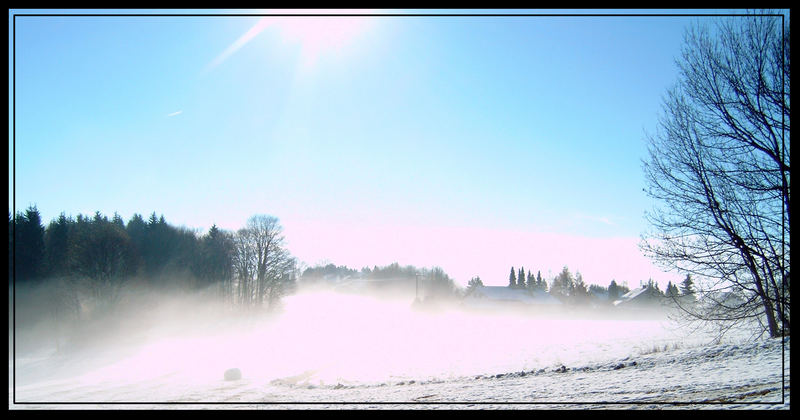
<point x="719" y="168"/>
<point x="244" y="267"/>
<point x="264" y="267"/>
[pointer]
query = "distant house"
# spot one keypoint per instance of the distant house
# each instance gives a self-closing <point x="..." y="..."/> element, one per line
<point x="503" y="295"/>
<point x="641" y="297"/>
<point x="723" y="301"/>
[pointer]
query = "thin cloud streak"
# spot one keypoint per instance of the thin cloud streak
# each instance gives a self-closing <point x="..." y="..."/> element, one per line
<point x="175" y="113"/>
<point x="239" y="43"/>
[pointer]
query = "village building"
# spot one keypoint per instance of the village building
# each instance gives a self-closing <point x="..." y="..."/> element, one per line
<point x="641" y="297"/>
<point x="507" y="297"/>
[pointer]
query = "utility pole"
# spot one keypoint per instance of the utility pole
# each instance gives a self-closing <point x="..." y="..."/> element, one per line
<point x="416" y="290"/>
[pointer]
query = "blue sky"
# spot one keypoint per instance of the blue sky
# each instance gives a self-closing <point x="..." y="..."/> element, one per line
<point x="472" y="143"/>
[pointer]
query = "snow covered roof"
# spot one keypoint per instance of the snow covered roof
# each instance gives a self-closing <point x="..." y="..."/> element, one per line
<point x="640" y="293"/>
<point x="633" y="294"/>
<point x="541" y="297"/>
<point x="504" y="293"/>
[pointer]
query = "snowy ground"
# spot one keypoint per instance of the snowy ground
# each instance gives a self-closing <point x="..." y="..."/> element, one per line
<point x="392" y="359"/>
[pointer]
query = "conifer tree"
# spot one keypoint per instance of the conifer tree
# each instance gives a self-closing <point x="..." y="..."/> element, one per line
<point x="613" y="291"/>
<point x="117" y="220"/>
<point x="672" y="290"/>
<point x="137" y="231"/>
<point x="57" y="246"/>
<point x="686" y="286"/>
<point x="512" y="279"/>
<point x="579" y="292"/>
<point x="28" y="245"/>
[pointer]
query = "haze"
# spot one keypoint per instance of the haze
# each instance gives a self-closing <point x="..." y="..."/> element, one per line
<point x="320" y="337"/>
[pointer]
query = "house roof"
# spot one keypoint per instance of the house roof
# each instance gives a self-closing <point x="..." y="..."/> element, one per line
<point x="504" y="293"/>
<point x="635" y="294"/>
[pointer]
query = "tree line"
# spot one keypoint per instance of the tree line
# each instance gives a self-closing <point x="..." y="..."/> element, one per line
<point x="572" y="289"/>
<point x="95" y="258"/>
<point x="434" y="283"/>
<point x="80" y="260"/>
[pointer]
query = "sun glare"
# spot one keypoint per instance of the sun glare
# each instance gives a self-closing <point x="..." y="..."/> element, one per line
<point x="318" y="35"/>
<point x="315" y="35"/>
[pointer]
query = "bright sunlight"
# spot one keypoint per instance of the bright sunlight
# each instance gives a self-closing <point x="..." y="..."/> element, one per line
<point x="316" y="35"/>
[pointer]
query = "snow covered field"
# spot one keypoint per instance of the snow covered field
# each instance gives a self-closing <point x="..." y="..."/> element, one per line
<point x="330" y="350"/>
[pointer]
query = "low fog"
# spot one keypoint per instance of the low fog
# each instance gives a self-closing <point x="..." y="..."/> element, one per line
<point x="318" y="336"/>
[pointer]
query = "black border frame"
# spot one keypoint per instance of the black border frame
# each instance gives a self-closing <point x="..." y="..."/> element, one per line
<point x="360" y="403"/>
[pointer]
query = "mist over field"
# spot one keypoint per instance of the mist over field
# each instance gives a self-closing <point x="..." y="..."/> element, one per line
<point x="324" y="345"/>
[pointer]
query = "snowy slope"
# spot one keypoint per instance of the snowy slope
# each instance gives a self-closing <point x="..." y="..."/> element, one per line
<point x="397" y="356"/>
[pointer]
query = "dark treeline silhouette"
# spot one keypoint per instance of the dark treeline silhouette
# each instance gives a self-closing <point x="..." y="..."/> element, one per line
<point x="80" y="268"/>
<point x="87" y="262"/>
<point x="434" y="283"/>
<point x="109" y="252"/>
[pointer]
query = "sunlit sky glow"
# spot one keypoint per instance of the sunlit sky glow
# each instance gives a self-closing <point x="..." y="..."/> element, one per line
<point x="470" y="143"/>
